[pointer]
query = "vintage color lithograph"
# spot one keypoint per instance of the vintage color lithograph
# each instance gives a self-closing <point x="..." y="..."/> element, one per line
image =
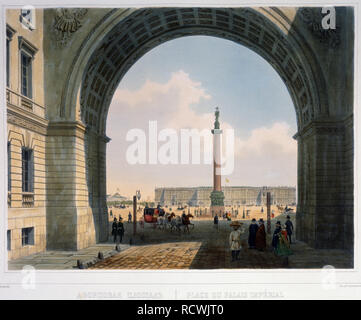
<point x="180" y="150"/>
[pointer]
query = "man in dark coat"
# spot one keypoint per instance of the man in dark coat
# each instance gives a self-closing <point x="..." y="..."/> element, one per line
<point x="115" y="229"/>
<point x="276" y="235"/>
<point x="252" y="234"/>
<point x="215" y="221"/>
<point x="261" y="236"/>
<point x="289" y="228"/>
<point x="120" y="229"/>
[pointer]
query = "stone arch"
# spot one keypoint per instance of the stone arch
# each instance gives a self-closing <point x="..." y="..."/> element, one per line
<point x="121" y="37"/>
<point x="143" y="29"/>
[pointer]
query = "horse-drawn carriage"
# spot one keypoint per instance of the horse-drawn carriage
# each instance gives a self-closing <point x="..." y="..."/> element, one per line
<point x="162" y="220"/>
<point x="151" y="215"/>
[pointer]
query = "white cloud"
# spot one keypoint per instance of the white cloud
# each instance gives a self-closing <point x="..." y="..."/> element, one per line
<point x="267" y="157"/>
<point x="168" y="102"/>
<point x="273" y="141"/>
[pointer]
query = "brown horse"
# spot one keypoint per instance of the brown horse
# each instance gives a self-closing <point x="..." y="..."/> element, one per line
<point x="172" y="215"/>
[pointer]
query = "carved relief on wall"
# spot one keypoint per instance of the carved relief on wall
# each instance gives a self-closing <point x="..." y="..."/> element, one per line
<point x="66" y="22"/>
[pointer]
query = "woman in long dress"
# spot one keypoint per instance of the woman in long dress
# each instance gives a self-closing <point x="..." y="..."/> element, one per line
<point x="261" y="236"/>
<point x="282" y="248"/>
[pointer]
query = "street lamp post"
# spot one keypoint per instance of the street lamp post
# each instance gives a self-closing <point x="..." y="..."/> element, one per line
<point x="135" y="198"/>
<point x="268" y="212"/>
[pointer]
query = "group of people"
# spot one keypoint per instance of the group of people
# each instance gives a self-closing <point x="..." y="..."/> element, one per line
<point x="129" y="216"/>
<point x="281" y="239"/>
<point x="257" y="235"/>
<point x="118" y="229"/>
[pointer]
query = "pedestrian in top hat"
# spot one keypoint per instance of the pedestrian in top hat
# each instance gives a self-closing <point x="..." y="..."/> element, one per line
<point x="289" y="228"/>
<point x="252" y="234"/>
<point x="114" y="229"/>
<point x="129" y="217"/>
<point x="261" y="236"/>
<point x="235" y="240"/>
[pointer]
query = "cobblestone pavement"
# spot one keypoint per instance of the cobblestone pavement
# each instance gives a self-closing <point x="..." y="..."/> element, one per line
<point x="203" y="248"/>
<point x="186" y="255"/>
<point x="207" y="248"/>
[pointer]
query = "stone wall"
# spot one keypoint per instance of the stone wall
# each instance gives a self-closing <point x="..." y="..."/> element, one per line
<point x="26" y="127"/>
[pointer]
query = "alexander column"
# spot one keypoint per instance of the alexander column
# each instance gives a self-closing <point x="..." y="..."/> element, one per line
<point x="217" y="196"/>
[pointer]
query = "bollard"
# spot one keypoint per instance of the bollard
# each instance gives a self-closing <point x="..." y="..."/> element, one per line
<point x="79" y="264"/>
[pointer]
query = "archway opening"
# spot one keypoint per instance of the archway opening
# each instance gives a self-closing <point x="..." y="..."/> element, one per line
<point x="175" y="87"/>
<point x="135" y="33"/>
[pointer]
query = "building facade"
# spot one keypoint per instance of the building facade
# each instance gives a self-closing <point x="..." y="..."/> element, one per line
<point x="234" y="196"/>
<point x="26" y="130"/>
<point x="64" y="65"/>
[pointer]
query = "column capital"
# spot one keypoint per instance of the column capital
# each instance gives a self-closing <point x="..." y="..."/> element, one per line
<point x="321" y="127"/>
<point x="66" y="128"/>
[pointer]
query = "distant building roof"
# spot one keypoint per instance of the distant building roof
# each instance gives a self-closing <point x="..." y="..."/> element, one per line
<point x="116" y="197"/>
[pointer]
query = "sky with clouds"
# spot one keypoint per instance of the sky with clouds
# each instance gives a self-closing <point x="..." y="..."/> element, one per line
<point x="178" y="84"/>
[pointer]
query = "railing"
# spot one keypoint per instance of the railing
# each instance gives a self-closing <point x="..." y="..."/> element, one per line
<point x="17" y="99"/>
<point x="28" y="199"/>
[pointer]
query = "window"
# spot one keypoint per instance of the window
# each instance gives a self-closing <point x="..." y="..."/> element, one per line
<point x="26" y="77"/>
<point x="9" y="167"/>
<point x="27" y="169"/>
<point x="27" y="18"/>
<point x="27" y="236"/>
<point x="8" y="233"/>
<point x="26" y="54"/>
<point x="9" y="35"/>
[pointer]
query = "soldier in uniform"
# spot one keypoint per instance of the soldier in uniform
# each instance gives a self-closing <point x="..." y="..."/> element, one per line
<point x="114" y="229"/>
<point x="120" y="229"/>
